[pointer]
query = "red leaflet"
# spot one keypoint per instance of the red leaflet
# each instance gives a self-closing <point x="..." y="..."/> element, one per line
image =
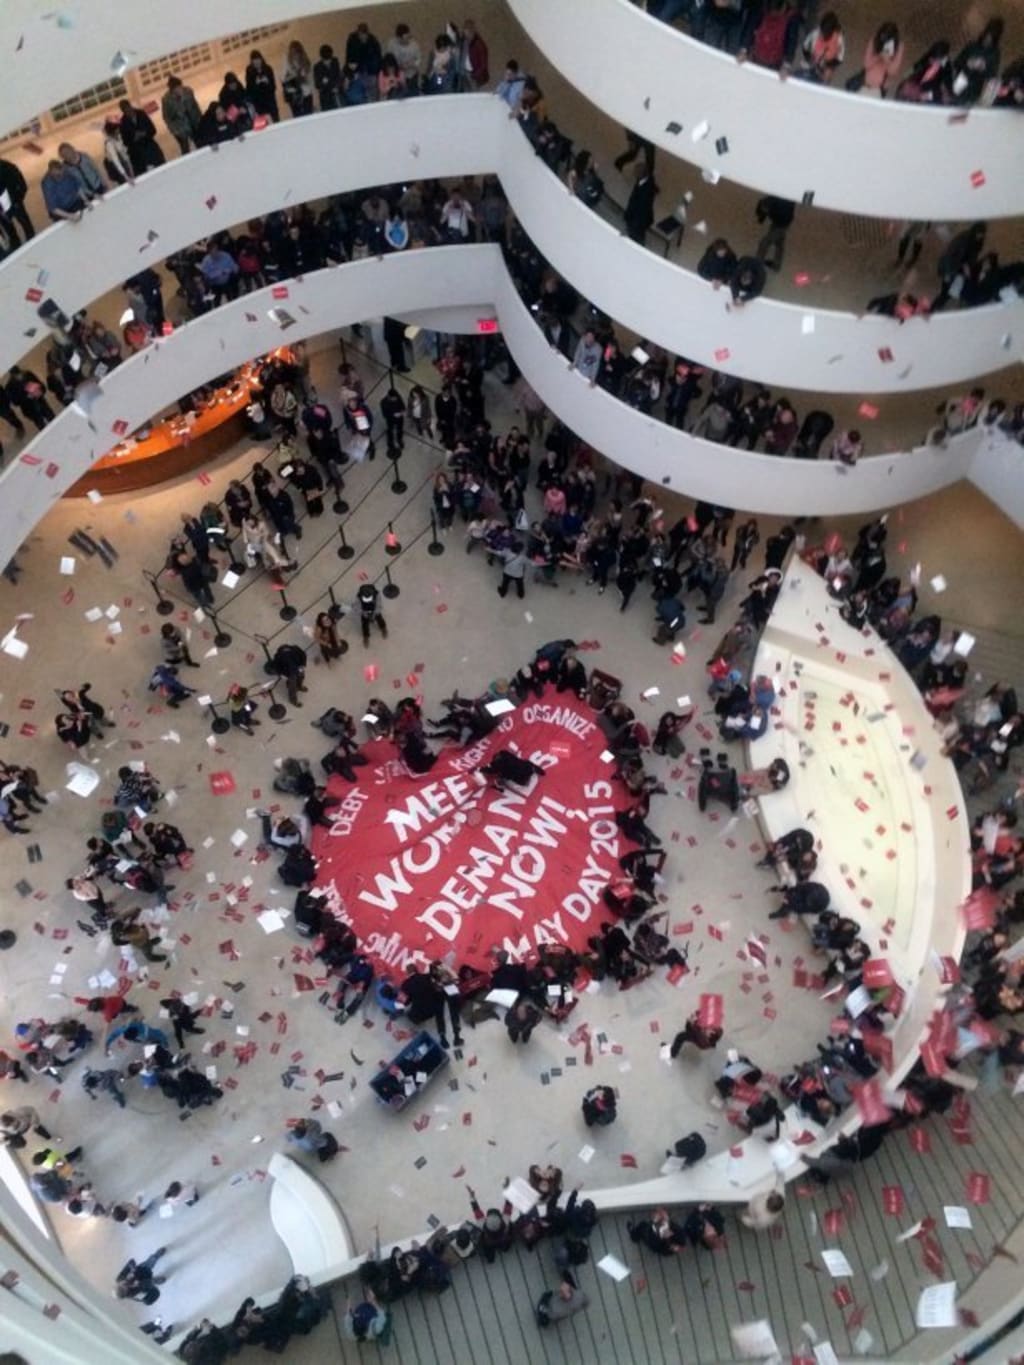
<point x="892" y="1200"/>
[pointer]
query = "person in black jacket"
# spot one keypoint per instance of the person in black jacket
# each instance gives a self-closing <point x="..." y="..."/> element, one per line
<point x="25" y="390"/>
<point x="392" y="409"/>
<point x="748" y="280"/>
<point x="704" y="1226"/>
<point x="327" y="78"/>
<point x="640" y="204"/>
<point x="261" y="86"/>
<point x="13" y="184"/>
<point x="778" y="214"/>
<point x="369" y="611"/>
<point x="290" y="664"/>
<point x="138" y="133"/>
<point x="362" y="51"/>
<point x="717" y="263"/>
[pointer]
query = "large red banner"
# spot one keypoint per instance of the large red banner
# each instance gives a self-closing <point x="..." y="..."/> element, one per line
<point x="438" y="864"/>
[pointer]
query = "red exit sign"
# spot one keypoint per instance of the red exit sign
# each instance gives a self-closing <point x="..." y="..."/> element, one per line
<point x="485" y="325"/>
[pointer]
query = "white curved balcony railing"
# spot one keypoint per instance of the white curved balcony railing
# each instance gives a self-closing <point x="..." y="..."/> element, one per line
<point x="449" y="277"/>
<point x="457" y="135"/>
<point x="855" y="154"/>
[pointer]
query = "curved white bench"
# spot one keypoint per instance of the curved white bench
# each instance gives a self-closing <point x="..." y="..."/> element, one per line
<point x="899" y="862"/>
<point x="307" y="1219"/>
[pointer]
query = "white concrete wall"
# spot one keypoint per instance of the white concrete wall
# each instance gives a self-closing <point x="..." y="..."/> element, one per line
<point x="445" y="137"/>
<point x="855" y="153"/>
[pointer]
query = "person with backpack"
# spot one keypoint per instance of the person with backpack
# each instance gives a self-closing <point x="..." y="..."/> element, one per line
<point x="773" y="43"/>
<point x="555" y="1305"/>
<point x="368" y="1320"/>
<point x="689" y="1150"/>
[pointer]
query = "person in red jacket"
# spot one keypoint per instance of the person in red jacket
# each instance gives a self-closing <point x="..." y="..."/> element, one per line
<point x="475" y="56"/>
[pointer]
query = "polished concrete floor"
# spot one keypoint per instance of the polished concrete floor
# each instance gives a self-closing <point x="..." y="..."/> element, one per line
<point x="381" y="1181"/>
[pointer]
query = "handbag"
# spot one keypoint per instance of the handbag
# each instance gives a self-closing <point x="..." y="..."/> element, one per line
<point x="856" y="81"/>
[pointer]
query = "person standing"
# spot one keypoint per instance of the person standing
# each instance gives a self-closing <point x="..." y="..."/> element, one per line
<point x="513" y="569"/>
<point x="297" y="80"/>
<point x="392" y="409"/>
<point x="174" y="646"/>
<point x="180" y="111"/>
<point x="261" y="87"/>
<point x="290" y="664"/>
<point x="394" y="339"/>
<point x="12" y="208"/>
<point x="764" y="1210"/>
<point x="183" y="1018"/>
<point x="778" y="214"/>
<point x="15" y="1123"/>
<point x="327" y="78"/>
<point x="135" y="1280"/>
<point x="177" y="1194"/>
<point x="747" y="536"/>
<point x="555" y="1305"/>
<point x="522" y="1019"/>
<point x="368" y="599"/>
<point x="138" y="133"/>
<point x="325" y="636"/>
<point x="640" y="204"/>
<point x="87" y="891"/>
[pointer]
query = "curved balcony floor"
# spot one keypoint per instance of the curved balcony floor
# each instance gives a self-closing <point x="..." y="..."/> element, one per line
<point x="769" y="340"/>
<point x="788" y="137"/>
<point x="449" y="277"/>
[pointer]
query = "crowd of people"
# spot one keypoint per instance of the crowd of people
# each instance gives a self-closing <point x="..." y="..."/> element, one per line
<point x="294" y="242"/>
<point x="604" y="533"/>
<point x="615" y="535"/>
<point x="793" y="38"/>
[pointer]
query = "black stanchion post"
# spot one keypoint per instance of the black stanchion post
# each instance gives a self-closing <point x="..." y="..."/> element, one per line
<point x="435" y="547"/>
<point x="164" y="605"/>
<point x="268" y="662"/>
<point x="236" y="565"/>
<point x="221" y="638"/>
<point x="390" y="589"/>
<point x="397" y="483"/>
<point x="287" y="612"/>
<point x="220" y="725"/>
<point x="392" y="545"/>
<point x="345" y="550"/>
<point x="339" y="506"/>
<point x="276" y="710"/>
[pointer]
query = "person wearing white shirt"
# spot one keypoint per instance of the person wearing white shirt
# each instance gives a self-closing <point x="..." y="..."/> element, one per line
<point x="457" y="218"/>
<point x="764" y="1210"/>
<point x="406" y="52"/>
